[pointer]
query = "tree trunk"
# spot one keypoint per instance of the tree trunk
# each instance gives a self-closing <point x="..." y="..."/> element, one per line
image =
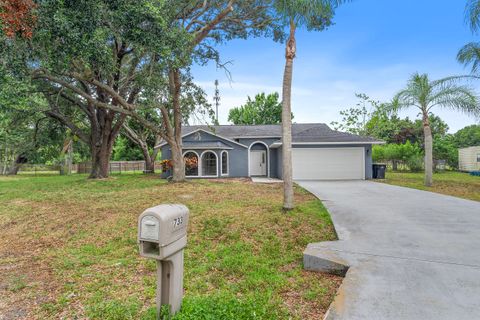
<point x="153" y="156"/>
<point x="70" y="158"/>
<point x="19" y="160"/>
<point x="141" y="140"/>
<point x="67" y="153"/>
<point x="100" y="162"/>
<point x="101" y="149"/>
<point x="149" y="159"/>
<point x="394" y="165"/>
<point x="149" y="166"/>
<point x="178" y="163"/>
<point x="5" y="159"/>
<point x="428" y="151"/>
<point x="103" y="135"/>
<point x="176" y="146"/>
<point x="290" y="50"/>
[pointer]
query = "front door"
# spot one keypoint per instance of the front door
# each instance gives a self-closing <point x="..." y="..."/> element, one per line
<point x="258" y="163"/>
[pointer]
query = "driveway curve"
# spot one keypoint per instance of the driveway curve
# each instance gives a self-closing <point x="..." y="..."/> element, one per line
<point x="410" y="254"/>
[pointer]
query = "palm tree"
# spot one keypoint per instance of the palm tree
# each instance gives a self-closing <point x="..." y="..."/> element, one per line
<point x="470" y="53"/>
<point x="314" y="15"/>
<point x="425" y="94"/>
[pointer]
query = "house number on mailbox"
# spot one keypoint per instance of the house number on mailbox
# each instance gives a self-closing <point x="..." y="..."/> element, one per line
<point x="178" y="221"/>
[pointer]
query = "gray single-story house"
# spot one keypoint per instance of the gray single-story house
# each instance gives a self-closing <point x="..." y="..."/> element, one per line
<point x="318" y="152"/>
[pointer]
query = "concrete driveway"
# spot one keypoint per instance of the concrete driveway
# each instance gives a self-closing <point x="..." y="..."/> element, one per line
<point x="410" y="254"/>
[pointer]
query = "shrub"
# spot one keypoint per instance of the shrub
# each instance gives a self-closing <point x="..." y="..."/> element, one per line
<point x="378" y="153"/>
<point x="410" y="154"/>
<point x="415" y="162"/>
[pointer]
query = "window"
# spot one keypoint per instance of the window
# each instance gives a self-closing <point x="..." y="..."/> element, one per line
<point x="191" y="164"/>
<point x="224" y="163"/>
<point x="209" y="164"/>
<point x="478" y="157"/>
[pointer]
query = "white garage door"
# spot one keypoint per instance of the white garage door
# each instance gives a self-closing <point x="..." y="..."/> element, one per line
<point x="328" y="163"/>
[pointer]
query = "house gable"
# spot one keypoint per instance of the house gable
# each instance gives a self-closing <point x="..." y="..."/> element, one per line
<point x="206" y="136"/>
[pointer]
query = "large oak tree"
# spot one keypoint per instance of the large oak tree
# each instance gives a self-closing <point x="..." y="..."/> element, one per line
<point x="112" y="59"/>
<point x="93" y="59"/>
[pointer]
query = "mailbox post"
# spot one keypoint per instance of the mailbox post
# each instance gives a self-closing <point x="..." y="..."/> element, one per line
<point x="162" y="235"/>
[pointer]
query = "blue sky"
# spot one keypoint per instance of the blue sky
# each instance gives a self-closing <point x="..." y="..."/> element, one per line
<point x="373" y="48"/>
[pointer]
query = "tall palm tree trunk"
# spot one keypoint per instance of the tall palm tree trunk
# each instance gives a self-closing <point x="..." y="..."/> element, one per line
<point x="427" y="132"/>
<point x="287" y="120"/>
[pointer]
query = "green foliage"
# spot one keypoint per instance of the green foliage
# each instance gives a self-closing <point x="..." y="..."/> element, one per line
<point x="472" y="14"/>
<point x="378" y="153"/>
<point x="126" y="150"/>
<point x="312" y="14"/>
<point x="415" y="163"/>
<point x="86" y="30"/>
<point x="388" y="126"/>
<point x="407" y="152"/>
<point x="467" y="137"/>
<point x="412" y="154"/>
<point x="452" y="93"/>
<point x="22" y="129"/>
<point x="227" y="307"/>
<point x="445" y="148"/>
<point x="376" y="119"/>
<point x="469" y="55"/>
<point x="437" y="125"/>
<point x="354" y="120"/>
<point x="403" y="136"/>
<point x="264" y="109"/>
<point x="130" y="57"/>
<point x="424" y="94"/>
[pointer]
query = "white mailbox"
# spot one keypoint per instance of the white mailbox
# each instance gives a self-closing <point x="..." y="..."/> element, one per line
<point x="162" y="230"/>
<point x="162" y="235"/>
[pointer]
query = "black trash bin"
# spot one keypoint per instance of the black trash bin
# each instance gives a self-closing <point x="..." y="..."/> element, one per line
<point x="379" y="170"/>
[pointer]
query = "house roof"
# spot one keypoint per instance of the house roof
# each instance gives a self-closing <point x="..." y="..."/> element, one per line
<point x="301" y="133"/>
<point x="246" y="131"/>
<point x="205" y="145"/>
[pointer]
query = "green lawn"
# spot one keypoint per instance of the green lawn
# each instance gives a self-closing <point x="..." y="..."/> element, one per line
<point x="68" y="249"/>
<point x="456" y="184"/>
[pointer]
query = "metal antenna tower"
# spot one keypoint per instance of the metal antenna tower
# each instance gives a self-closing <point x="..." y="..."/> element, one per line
<point x="216" y="98"/>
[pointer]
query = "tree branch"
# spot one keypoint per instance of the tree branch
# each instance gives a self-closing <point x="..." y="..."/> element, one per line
<point x="75" y="130"/>
<point x="203" y="32"/>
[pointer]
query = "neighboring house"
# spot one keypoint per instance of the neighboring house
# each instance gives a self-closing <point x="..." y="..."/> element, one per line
<point x="469" y="159"/>
<point x="318" y="152"/>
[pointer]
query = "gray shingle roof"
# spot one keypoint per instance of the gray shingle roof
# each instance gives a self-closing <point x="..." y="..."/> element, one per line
<point x="301" y="132"/>
<point x="205" y="145"/>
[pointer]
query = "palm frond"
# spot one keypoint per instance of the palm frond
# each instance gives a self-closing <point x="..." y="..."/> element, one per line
<point x="403" y="100"/>
<point x="472" y="14"/>
<point x="314" y="14"/>
<point x="459" y="79"/>
<point x="456" y="97"/>
<point x="453" y="92"/>
<point x="470" y="55"/>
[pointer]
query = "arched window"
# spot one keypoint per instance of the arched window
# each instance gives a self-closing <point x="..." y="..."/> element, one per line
<point x="209" y="164"/>
<point x="224" y="163"/>
<point x="191" y="164"/>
